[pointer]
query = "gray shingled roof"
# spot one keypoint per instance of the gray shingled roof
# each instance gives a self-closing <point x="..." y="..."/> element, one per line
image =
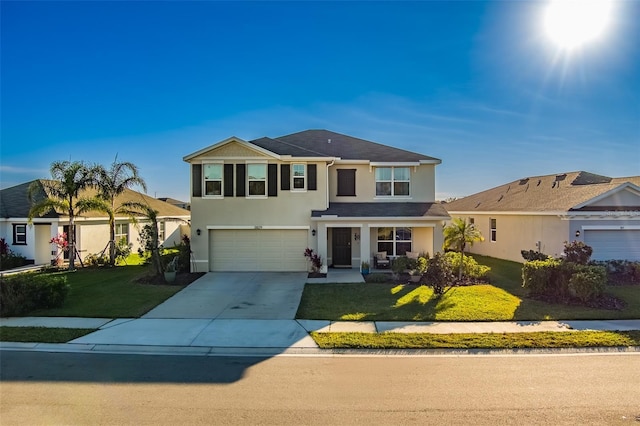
<point x="560" y="192"/>
<point x="331" y="144"/>
<point x="383" y="210"/>
<point x="15" y="203"/>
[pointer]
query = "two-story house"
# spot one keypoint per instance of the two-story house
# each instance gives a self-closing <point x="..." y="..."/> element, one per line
<point x="256" y="205"/>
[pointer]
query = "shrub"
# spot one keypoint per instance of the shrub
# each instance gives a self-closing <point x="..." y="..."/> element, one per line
<point x="587" y="283"/>
<point x="314" y="258"/>
<point x="184" y="255"/>
<point x="439" y="273"/>
<point x="96" y="259"/>
<point x="543" y="277"/>
<point x="577" y="252"/>
<point x="530" y="255"/>
<point x="9" y="259"/>
<point x="377" y="278"/>
<point x="620" y="271"/>
<point x="123" y="250"/>
<point x="470" y="267"/>
<point x="23" y="293"/>
<point x="400" y="264"/>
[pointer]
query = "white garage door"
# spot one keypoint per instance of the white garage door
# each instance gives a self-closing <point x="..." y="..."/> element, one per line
<point x="257" y="250"/>
<point x="613" y="244"/>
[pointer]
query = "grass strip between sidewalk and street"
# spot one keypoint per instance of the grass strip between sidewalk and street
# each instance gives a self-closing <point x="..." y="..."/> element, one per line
<point x="546" y="339"/>
<point x="42" y="334"/>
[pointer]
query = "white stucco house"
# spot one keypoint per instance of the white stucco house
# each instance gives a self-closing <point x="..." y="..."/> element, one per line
<point x="32" y="240"/>
<point x="542" y="212"/>
<point x="256" y="205"/>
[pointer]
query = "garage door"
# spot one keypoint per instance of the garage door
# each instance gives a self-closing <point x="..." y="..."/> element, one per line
<point x="257" y="250"/>
<point x="614" y="244"/>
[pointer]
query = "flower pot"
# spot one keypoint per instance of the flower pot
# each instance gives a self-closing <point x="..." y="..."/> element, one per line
<point x="365" y="271"/>
<point x="415" y="278"/>
<point x="170" y="276"/>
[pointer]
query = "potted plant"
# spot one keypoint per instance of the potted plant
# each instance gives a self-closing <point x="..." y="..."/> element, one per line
<point x="365" y="268"/>
<point x="171" y="270"/>
<point x="418" y="266"/>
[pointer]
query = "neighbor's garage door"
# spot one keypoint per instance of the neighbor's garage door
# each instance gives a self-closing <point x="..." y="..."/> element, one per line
<point x="257" y="250"/>
<point x="614" y="244"/>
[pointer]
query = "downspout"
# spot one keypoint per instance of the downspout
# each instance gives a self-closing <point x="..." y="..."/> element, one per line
<point x="327" y="195"/>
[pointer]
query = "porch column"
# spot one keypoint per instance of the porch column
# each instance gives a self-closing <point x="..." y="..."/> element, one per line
<point x="322" y="243"/>
<point x="365" y="243"/>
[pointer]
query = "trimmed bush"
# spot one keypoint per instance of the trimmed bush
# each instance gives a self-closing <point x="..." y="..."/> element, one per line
<point x="620" y="271"/>
<point x="439" y="273"/>
<point x="531" y="255"/>
<point x="23" y="293"/>
<point x="470" y="267"/>
<point x="588" y="283"/>
<point x="543" y="277"/>
<point x="9" y="259"/>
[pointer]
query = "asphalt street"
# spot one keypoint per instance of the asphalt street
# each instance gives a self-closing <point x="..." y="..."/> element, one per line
<point x="73" y="388"/>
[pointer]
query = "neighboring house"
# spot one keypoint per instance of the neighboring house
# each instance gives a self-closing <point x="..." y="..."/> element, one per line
<point x="177" y="203"/>
<point x="256" y="205"/>
<point x="92" y="228"/>
<point x="541" y="213"/>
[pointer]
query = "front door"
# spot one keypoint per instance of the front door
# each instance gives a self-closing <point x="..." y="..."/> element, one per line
<point x="341" y="246"/>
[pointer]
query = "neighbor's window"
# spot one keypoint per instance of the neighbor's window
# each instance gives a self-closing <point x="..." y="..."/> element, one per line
<point x="494" y="229"/>
<point x="299" y="176"/>
<point x="122" y="232"/>
<point x="395" y="241"/>
<point x="392" y="181"/>
<point x="19" y="234"/>
<point x="213" y="179"/>
<point x="161" y="230"/>
<point x="257" y="178"/>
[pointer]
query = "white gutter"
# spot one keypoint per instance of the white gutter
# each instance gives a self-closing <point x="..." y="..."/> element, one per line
<point x="327" y="197"/>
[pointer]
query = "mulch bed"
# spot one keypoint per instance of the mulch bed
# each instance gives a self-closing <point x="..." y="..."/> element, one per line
<point x="182" y="279"/>
<point x="316" y="275"/>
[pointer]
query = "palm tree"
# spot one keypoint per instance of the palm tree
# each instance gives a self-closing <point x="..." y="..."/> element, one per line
<point x="137" y="209"/>
<point x="457" y="235"/>
<point x="63" y="195"/>
<point x="110" y="184"/>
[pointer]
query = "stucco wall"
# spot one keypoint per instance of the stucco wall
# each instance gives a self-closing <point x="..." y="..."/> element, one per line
<point x="519" y="232"/>
<point x="422" y="186"/>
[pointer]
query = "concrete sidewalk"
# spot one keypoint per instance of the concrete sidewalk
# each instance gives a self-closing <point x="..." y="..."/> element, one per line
<point x="224" y="336"/>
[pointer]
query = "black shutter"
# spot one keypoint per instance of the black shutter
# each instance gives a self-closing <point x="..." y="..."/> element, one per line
<point x="272" y="180"/>
<point x="228" y="180"/>
<point x="312" y="171"/>
<point x="346" y="182"/>
<point x="285" y="177"/>
<point x="196" y="180"/>
<point x="240" y="180"/>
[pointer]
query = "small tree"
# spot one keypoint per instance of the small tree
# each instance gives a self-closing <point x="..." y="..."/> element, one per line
<point x="577" y="252"/>
<point x="457" y="235"/>
<point x="314" y="258"/>
<point x="438" y="274"/>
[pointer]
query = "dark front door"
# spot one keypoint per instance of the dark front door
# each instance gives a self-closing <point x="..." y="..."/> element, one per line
<point x="341" y="246"/>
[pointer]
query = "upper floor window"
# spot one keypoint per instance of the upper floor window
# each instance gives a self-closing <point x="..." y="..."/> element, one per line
<point x="299" y="176"/>
<point x="257" y="179"/>
<point x="122" y="232"/>
<point x="19" y="234"/>
<point x="213" y="179"/>
<point x="392" y="181"/>
<point x="494" y="229"/>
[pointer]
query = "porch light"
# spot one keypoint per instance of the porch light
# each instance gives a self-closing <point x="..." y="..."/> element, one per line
<point x="578" y="233"/>
<point x="356" y="236"/>
<point x="313" y="232"/>
<point x="198" y="231"/>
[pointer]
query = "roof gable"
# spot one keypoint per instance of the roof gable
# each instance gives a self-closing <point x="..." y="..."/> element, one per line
<point x="232" y="147"/>
<point x="625" y="197"/>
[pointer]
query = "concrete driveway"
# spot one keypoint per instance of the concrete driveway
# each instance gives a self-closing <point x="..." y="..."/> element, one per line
<point x="236" y="295"/>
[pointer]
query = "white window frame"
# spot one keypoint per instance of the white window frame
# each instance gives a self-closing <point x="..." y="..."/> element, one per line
<point x="493" y="229"/>
<point x="119" y="234"/>
<point x="303" y="177"/>
<point x="392" y="182"/>
<point x="19" y="237"/>
<point x="395" y="240"/>
<point x="265" y="180"/>
<point x="162" y="230"/>
<point x="205" y="180"/>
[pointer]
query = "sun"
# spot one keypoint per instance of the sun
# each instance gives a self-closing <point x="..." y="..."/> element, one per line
<point x="572" y="23"/>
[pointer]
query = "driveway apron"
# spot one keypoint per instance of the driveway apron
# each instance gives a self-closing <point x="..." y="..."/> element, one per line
<point x="236" y="295"/>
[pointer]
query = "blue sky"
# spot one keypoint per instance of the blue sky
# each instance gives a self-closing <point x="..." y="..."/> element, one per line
<point x="477" y="84"/>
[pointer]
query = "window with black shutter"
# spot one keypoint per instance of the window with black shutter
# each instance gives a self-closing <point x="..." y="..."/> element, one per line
<point x="285" y="177"/>
<point x="196" y="180"/>
<point x="240" y="180"/>
<point x="272" y="180"/>
<point x="346" y="182"/>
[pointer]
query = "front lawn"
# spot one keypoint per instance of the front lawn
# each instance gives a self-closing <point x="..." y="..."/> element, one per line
<point x="42" y="334"/>
<point x="504" y="300"/>
<point x="109" y="293"/>
<point x="561" y="339"/>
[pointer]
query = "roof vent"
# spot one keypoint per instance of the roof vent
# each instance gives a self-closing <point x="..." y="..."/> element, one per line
<point x="501" y="197"/>
<point x="524" y="181"/>
<point x="328" y="140"/>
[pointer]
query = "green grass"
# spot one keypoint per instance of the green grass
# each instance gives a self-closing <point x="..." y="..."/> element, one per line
<point x="42" y="334"/>
<point x="574" y="339"/>
<point x="109" y="293"/>
<point x="504" y="300"/>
